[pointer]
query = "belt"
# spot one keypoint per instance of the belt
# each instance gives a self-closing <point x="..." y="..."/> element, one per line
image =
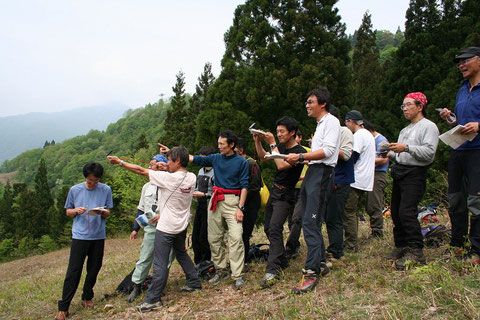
<point x="279" y="186"/>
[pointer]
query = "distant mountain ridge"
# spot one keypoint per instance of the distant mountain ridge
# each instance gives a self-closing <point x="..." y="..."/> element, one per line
<point x="20" y="133"/>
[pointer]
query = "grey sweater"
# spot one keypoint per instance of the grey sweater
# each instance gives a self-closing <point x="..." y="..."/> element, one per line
<point x="422" y="140"/>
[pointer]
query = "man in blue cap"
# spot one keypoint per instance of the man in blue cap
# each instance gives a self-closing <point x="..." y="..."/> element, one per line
<point x="463" y="169"/>
<point x="148" y="201"/>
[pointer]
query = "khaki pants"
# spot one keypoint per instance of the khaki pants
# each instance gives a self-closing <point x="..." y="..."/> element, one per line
<point x="223" y="216"/>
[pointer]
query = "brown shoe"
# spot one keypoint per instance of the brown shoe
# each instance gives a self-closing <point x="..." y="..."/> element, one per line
<point x="88" y="304"/>
<point x="61" y="315"/>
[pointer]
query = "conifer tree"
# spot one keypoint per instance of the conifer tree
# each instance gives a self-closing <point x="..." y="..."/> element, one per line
<point x="6" y="215"/>
<point x="277" y="51"/>
<point x="367" y="73"/>
<point x="42" y="200"/>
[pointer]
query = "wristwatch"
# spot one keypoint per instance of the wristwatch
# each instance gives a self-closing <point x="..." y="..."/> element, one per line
<point x="300" y="158"/>
<point x="273" y="146"/>
<point x="241" y="208"/>
<point x="121" y="163"/>
<point x="407" y="149"/>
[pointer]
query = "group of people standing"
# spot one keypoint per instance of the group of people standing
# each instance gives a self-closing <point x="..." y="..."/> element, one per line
<point x="343" y="163"/>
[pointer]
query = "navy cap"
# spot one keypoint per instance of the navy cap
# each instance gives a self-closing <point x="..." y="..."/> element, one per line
<point x="467" y="53"/>
<point x="353" y="115"/>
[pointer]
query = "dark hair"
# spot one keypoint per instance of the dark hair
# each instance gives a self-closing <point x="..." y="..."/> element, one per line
<point x="368" y="125"/>
<point x="206" y="150"/>
<point x="179" y="152"/>
<point x="94" y="168"/>
<point x="242" y="144"/>
<point x="418" y="103"/>
<point x="334" y="111"/>
<point x="289" y="123"/>
<point x="299" y="133"/>
<point x="230" y="136"/>
<point x="323" y="96"/>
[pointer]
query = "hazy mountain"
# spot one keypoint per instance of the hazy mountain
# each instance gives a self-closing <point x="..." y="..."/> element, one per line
<point x="28" y="131"/>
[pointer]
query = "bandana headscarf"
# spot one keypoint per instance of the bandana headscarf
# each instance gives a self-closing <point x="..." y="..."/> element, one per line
<point x="420" y="97"/>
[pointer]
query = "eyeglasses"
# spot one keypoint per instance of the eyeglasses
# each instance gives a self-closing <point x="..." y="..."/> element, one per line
<point x="464" y="62"/>
<point x="310" y="101"/>
<point x="406" y="105"/>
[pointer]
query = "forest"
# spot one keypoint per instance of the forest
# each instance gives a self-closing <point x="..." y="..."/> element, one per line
<point x="276" y="51"/>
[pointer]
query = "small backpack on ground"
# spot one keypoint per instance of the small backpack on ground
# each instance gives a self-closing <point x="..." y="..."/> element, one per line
<point x="256" y="253"/>
<point x="126" y="286"/>
<point x="206" y="269"/>
<point x="435" y="236"/>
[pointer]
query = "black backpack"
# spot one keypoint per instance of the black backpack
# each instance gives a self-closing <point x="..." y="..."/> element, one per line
<point x="126" y="286"/>
<point x="256" y="253"/>
<point x="435" y="236"/>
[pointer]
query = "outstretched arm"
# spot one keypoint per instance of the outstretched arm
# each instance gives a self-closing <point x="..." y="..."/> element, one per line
<point x="129" y="166"/>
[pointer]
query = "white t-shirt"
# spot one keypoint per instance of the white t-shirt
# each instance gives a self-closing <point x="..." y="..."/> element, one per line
<point x="174" y="205"/>
<point x="364" y="168"/>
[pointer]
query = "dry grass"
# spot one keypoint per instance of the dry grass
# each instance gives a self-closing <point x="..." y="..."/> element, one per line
<point x="363" y="286"/>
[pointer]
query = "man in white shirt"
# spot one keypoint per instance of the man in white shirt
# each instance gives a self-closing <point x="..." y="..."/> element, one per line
<point x="364" y="171"/>
<point x="177" y="186"/>
<point x="317" y="185"/>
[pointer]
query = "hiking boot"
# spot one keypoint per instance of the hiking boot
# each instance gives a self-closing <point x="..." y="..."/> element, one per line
<point x="269" y="280"/>
<point x="147" y="307"/>
<point x="88" y="304"/>
<point x="331" y="260"/>
<point x="375" y="235"/>
<point x="239" y="283"/>
<point x="412" y="256"/>
<point x="61" y="315"/>
<point x="308" y="283"/>
<point x="219" y="277"/>
<point x="397" y="253"/>
<point x="137" y="289"/>
<point x="187" y="288"/>
<point x="292" y="254"/>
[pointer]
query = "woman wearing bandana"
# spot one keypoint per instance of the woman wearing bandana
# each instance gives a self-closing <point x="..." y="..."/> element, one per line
<point x="413" y="153"/>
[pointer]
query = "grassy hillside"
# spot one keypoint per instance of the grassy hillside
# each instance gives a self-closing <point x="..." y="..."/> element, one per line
<point x="363" y="286"/>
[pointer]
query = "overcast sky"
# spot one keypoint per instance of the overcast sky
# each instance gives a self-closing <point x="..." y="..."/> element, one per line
<point x="62" y="54"/>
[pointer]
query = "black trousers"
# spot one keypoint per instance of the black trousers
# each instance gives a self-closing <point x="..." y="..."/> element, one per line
<point x="334" y="219"/>
<point x="409" y="185"/>
<point x="201" y="248"/>
<point x="81" y="249"/>
<point x="316" y="189"/>
<point x="252" y="204"/>
<point x="279" y="206"/>
<point x="295" y="224"/>
<point x="164" y="242"/>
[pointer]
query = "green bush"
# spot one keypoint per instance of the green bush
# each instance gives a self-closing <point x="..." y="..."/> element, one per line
<point x="47" y="244"/>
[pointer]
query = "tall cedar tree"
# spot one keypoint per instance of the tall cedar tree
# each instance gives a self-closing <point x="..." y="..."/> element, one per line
<point x="43" y="199"/>
<point x="277" y="51"/>
<point x="367" y="73"/>
<point x="178" y="124"/>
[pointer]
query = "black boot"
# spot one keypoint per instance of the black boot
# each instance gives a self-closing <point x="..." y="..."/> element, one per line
<point x="412" y="256"/>
<point x="137" y="289"/>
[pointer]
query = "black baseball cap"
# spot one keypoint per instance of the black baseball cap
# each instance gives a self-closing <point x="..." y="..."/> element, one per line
<point x="353" y="115"/>
<point x="467" y="53"/>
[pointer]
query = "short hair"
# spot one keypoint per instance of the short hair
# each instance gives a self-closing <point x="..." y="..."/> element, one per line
<point x="299" y="133"/>
<point x="93" y="168"/>
<point x="242" y="144"/>
<point x="323" y="96"/>
<point x="230" y="136"/>
<point x="424" y="111"/>
<point x="206" y="150"/>
<point x="368" y="125"/>
<point x="179" y="152"/>
<point x="334" y="111"/>
<point x="289" y="123"/>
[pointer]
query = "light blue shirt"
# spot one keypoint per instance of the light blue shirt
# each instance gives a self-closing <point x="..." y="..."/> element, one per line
<point x="87" y="227"/>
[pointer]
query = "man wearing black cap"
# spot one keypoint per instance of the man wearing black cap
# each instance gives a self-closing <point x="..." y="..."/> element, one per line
<point x="463" y="169"/>
<point x="364" y="171"/>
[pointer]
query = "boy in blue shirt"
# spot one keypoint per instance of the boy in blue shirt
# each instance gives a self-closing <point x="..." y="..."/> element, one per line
<point x="88" y="203"/>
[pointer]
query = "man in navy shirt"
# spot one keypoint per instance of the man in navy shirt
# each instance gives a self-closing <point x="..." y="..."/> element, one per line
<point x="88" y="203"/>
<point x="463" y="169"/>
